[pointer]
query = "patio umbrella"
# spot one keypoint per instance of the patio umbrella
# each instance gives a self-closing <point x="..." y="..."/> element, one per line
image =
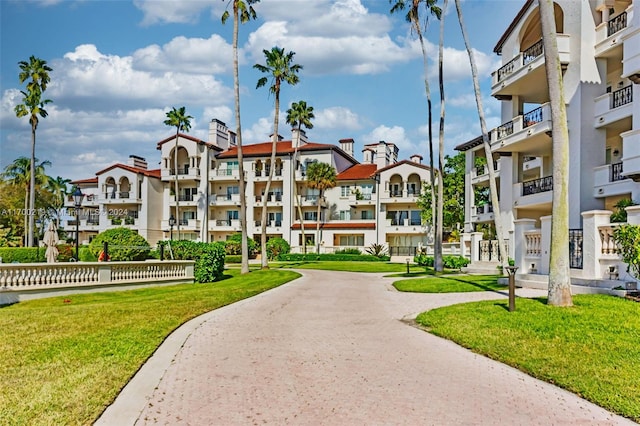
<point x="51" y="241"/>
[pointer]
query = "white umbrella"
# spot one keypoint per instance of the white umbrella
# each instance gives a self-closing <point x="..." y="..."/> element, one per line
<point x="51" y="241"/>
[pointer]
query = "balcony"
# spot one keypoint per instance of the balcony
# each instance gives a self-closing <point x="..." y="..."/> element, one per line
<point x="481" y="173"/>
<point x="231" y="225"/>
<point x="609" y="180"/>
<point x="608" y="35"/>
<point x="225" y="174"/>
<point x="536" y="193"/>
<point x="309" y="200"/>
<point x="406" y="196"/>
<point x="121" y="197"/>
<point x="614" y="106"/>
<point x="525" y="76"/>
<point x="183" y="174"/>
<point x="225" y="200"/>
<point x="631" y="154"/>
<point x="528" y="133"/>
<point x="483" y="213"/>
<point x="184" y="200"/>
<point x="274" y="199"/>
<point x="185" y="225"/>
<point x="359" y="200"/>
<point x="403" y="226"/>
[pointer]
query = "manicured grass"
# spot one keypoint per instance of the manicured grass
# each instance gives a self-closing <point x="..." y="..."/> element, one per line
<point x="344" y="266"/>
<point x="450" y="284"/>
<point x="64" y="359"/>
<point x="591" y="349"/>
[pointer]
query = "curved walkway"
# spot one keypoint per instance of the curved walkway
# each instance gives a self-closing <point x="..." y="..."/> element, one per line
<point x="329" y="349"/>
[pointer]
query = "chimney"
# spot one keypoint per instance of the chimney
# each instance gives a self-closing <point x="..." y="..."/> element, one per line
<point x="347" y="145"/>
<point x="136" y="161"/>
<point x="298" y="138"/>
<point x="219" y="134"/>
<point x="416" y="158"/>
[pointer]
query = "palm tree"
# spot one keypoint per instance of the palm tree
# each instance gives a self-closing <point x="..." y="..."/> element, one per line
<point x="33" y="106"/>
<point x="58" y="188"/>
<point x="299" y="115"/>
<point x="242" y="12"/>
<point x="179" y="119"/>
<point x="559" y="269"/>
<point x="320" y="176"/>
<point x="20" y="173"/>
<point x="413" y="18"/>
<point x="279" y="66"/>
<point x="437" y="258"/>
<point x="504" y="256"/>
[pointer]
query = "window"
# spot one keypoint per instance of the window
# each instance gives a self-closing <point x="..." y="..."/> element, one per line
<point x="397" y="217"/>
<point x="345" y="214"/>
<point x="345" y="191"/>
<point x="367" y="214"/>
<point x="415" y="218"/>
<point x="232" y="190"/>
<point x="351" y="240"/>
<point x="310" y="216"/>
<point x="232" y="165"/>
<point x="311" y="239"/>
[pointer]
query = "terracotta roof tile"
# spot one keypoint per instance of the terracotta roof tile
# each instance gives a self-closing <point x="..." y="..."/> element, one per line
<point x="282" y="148"/>
<point x="81" y="181"/>
<point x="151" y="173"/>
<point x="358" y="172"/>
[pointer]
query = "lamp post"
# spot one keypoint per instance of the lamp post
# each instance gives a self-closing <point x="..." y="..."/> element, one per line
<point x="77" y="202"/>
<point x="172" y="222"/>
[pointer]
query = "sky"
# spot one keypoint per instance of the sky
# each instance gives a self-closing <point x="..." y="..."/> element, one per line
<point x="119" y="66"/>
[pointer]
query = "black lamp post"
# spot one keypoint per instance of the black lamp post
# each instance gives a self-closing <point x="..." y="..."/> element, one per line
<point x="172" y="222"/>
<point x="77" y="202"/>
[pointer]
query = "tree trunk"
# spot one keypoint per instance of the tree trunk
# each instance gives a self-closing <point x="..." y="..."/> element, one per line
<point x="175" y="165"/>
<point x="318" y="223"/>
<point x="493" y="189"/>
<point x="295" y="196"/>
<point x="32" y="185"/>
<point x="559" y="271"/>
<point x="437" y="260"/>
<point x="263" y="243"/>
<point x="244" y="268"/>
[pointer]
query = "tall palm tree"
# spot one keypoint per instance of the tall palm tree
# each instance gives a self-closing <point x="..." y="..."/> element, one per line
<point x="413" y="18"/>
<point x="20" y="173"/>
<point x="299" y="115"/>
<point x="33" y="106"/>
<point x="320" y="176"/>
<point x="179" y="119"/>
<point x="242" y="12"/>
<point x="493" y="189"/>
<point x="437" y="258"/>
<point x="559" y="269"/>
<point x="281" y="69"/>
<point x="58" y="187"/>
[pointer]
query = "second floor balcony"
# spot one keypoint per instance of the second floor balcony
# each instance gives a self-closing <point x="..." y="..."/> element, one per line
<point x="614" y="106"/>
<point x="182" y="173"/>
<point x="609" y="180"/>
<point x="529" y="132"/>
<point x="535" y="193"/>
<point x="524" y="75"/>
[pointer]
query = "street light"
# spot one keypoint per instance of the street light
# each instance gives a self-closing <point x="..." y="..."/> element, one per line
<point x="77" y="202"/>
<point x="172" y="222"/>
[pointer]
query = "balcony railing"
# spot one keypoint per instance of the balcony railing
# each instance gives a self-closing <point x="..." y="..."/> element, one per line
<point x="616" y="24"/>
<point x="532" y="117"/>
<point x="310" y="198"/>
<point x="183" y="171"/>
<point x="185" y="197"/>
<point x="537" y="186"/>
<point x="531" y="53"/>
<point x="507" y="69"/>
<point x="505" y="129"/>
<point x="622" y="97"/>
<point x="223" y="222"/>
<point x="616" y="172"/>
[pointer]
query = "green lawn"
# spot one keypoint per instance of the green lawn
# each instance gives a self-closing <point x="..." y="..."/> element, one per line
<point x="450" y="284"/>
<point x="64" y="359"/>
<point x="592" y="349"/>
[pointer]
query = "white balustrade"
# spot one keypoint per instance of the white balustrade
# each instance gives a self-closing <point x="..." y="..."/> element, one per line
<point x="533" y="243"/>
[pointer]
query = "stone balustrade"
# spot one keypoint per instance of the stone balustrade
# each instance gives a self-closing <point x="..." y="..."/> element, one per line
<point x="19" y="278"/>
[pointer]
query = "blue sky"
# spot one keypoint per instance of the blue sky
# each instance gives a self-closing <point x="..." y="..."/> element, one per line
<point x="119" y="66"/>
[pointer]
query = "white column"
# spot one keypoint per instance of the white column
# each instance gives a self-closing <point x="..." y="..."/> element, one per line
<point x="633" y="215"/>
<point x="545" y="245"/>
<point x="476" y="237"/>
<point x="592" y="242"/>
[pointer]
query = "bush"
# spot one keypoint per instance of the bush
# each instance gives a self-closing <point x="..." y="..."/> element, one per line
<point x="628" y="239"/>
<point x="379" y="250"/>
<point x="348" y="251"/>
<point x="297" y="257"/>
<point x="124" y="244"/>
<point x="22" y="254"/>
<point x="449" y="262"/>
<point x="86" y="255"/>
<point x="276" y="247"/>
<point x="233" y="245"/>
<point x="233" y="259"/>
<point x="209" y="257"/>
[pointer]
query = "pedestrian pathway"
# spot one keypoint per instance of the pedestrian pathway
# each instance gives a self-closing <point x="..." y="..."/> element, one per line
<point x="329" y="349"/>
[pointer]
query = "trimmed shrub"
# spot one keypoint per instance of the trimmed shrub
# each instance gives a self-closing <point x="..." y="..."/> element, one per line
<point x="86" y="255"/>
<point x="233" y="259"/>
<point x="297" y="257"/>
<point x="348" y="251"/>
<point x="124" y="245"/>
<point x="22" y="254"/>
<point x="233" y="245"/>
<point x="277" y="247"/>
<point x="449" y="262"/>
<point x="209" y="257"/>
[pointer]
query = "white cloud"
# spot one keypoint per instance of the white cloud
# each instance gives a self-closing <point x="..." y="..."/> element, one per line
<point x="337" y="118"/>
<point x="162" y="11"/>
<point x="395" y="135"/>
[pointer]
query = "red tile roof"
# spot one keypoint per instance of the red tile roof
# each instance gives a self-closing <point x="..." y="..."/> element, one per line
<point x="358" y="172"/>
<point x="282" y="148"/>
<point x="191" y="138"/>
<point x="337" y="225"/>
<point x="399" y="163"/>
<point x="81" y="181"/>
<point x="151" y="173"/>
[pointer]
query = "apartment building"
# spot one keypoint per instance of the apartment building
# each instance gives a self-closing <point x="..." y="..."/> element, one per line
<point x="128" y="195"/>
<point x="599" y="48"/>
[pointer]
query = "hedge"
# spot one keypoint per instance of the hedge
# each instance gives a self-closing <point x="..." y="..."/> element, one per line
<point x="449" y="262"/>
<point x="34" y="254"/>
<point x="209" y="257"/>
<point x="296" y="257"/>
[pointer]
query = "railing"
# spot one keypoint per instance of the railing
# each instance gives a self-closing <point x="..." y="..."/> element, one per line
<point x="533" y="243"/>
<point x="184" y="171"/>
<point x="507" y="69"/>
<point x="616" y="172"/>
<point x="616" y="24"/>
<point x="41" y="276"/>
<point x="184" y="197"/>
<point x="531" y="53"/>
<point x="607" y="242"/>
<point x="532" y="117"/>
<point x="537" y="186"/>
<point x="505" y="129"/>
<point x="575" y="248"/>
<point x="223" y="222"/>
<point x="622" y="97"/>
<point x="310" y="198"/>
<point x="489" y="250"/>
<point x="226" y="172"/>
<point x="123" y="194"/>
